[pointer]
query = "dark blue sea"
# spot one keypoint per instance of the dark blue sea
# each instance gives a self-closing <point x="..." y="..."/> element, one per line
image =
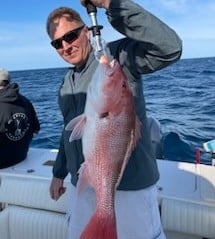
<point x="181" y="97"/>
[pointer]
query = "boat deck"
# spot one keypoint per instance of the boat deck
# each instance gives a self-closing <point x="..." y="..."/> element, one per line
<point x="186" y="198"/>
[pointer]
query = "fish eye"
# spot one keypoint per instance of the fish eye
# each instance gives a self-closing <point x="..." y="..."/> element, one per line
<point x="103" y="115"/>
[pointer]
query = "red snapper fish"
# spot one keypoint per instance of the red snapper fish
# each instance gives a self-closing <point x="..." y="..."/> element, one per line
<point x="110" y="129"/>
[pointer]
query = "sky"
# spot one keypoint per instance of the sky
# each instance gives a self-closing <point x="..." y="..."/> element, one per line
<point x="24" y="43"/>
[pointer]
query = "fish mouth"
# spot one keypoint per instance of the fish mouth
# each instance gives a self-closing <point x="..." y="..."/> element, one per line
<point x="105" y="61"/>
<point x="113" y="63"/>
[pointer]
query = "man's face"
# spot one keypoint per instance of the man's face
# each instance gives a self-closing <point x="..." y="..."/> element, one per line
<point x="76" y="51"/>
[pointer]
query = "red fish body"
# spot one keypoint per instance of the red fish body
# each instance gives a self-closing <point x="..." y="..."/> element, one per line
<point x="109" y="129"/>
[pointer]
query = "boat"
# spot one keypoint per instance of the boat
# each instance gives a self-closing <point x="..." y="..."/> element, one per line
<point x="186" y="199"/>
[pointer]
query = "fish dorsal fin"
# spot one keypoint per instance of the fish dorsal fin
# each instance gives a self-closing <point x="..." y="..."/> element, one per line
<point x="77" y="126"/>
<point x="137" y="132"/>
<point x="134" y="137"/>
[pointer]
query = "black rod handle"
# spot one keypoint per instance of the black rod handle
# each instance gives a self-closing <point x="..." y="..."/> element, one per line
<point x="90" y="7"/>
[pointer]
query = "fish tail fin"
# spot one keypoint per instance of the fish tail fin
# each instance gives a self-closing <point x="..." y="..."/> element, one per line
<point x="100" y="227"/>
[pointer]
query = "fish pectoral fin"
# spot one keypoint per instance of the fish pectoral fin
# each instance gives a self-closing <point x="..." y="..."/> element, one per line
<point x="77" y="126"/>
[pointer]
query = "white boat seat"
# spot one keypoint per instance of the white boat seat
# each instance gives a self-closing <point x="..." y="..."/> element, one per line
<point x="188" y="217"/>
<point x="26" y="223"/>
<point x="31" y="193"/>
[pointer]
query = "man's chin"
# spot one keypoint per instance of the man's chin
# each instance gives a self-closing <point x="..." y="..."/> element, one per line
<point x="73" y="60"/>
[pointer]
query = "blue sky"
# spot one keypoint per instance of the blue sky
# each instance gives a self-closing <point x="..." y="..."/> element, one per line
<point x="24" y="43"/>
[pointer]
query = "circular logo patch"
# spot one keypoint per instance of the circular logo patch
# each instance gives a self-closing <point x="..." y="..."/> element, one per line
<point x="17" y="126"/>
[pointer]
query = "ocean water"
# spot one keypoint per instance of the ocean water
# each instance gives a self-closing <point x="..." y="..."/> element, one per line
<point x="180" y="96"/>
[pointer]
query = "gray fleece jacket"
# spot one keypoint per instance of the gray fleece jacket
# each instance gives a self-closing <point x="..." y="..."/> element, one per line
<point x="149" y="45"/>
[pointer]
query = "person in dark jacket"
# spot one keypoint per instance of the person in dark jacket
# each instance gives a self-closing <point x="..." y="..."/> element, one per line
<point x="18" y="122"/>
<point x="148" y="45"/>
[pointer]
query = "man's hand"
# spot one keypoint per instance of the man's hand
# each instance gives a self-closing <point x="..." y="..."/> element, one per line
<point x="97" y="3"/>
<point x="56" y="188"/>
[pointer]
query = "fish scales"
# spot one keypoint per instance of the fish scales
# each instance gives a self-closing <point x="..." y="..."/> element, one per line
<point x="110" y="130"/>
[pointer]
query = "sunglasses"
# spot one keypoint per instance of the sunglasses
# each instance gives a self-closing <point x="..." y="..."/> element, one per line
<point x="69" y="37"/>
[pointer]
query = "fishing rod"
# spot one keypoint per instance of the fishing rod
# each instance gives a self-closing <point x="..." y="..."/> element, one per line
<point x="98" y="42"/>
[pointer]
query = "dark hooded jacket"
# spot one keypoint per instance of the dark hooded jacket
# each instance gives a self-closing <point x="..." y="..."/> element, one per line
<point x="18" y="123"/>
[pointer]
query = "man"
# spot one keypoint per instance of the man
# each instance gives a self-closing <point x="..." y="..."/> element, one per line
<point x="149" y="45"/>
<point x="18" y="122"/>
